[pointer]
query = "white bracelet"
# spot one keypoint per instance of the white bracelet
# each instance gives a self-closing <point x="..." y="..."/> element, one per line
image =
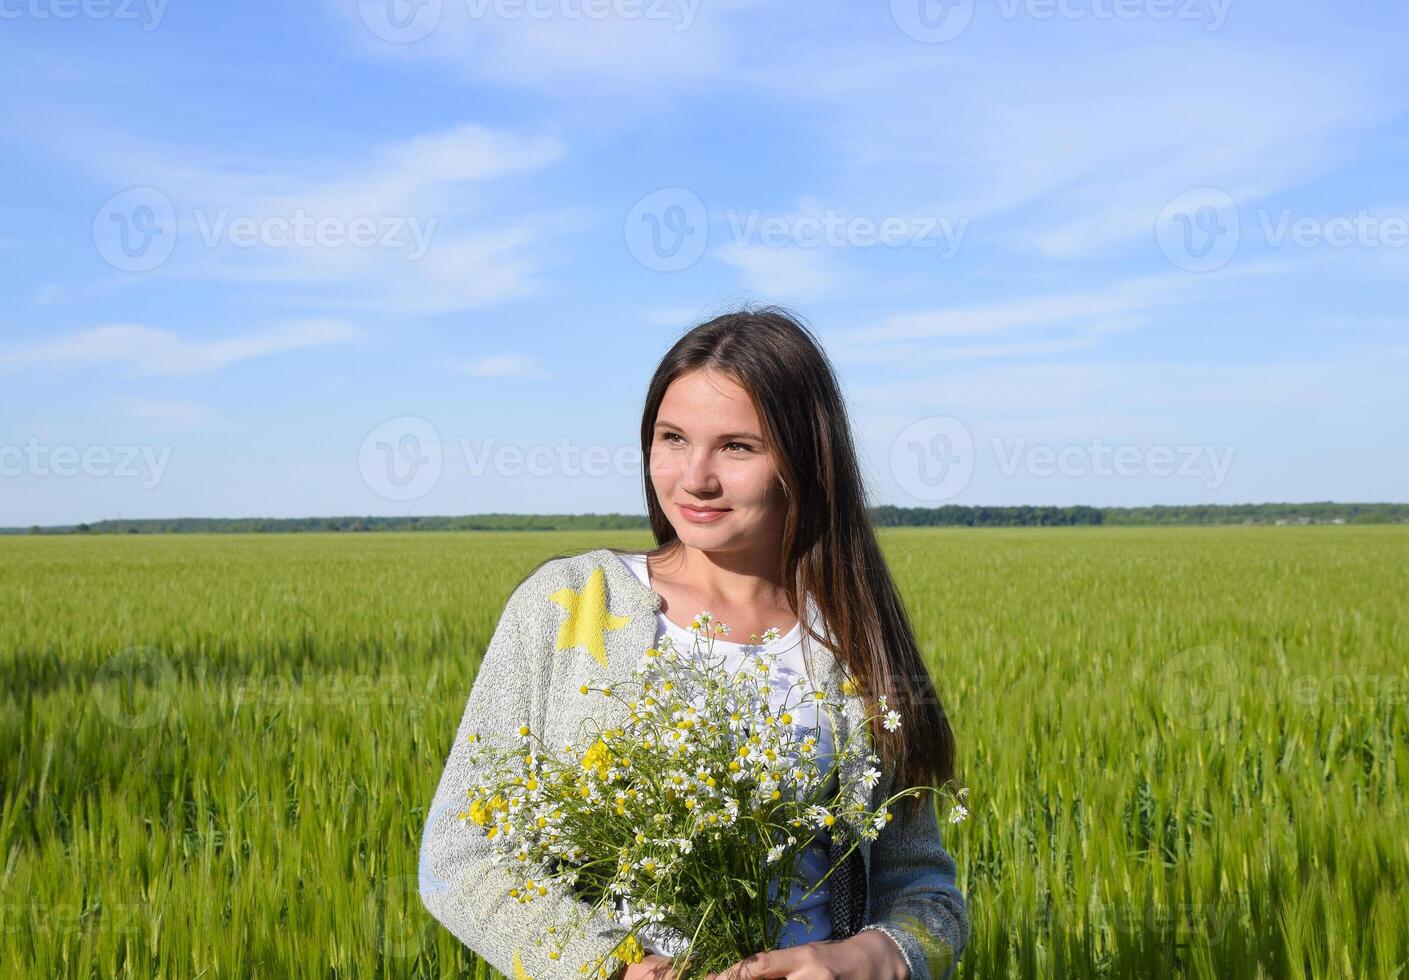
<point x="909" y="967"/>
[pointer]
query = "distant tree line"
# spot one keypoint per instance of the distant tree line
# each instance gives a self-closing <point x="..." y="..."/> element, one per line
<point x="955" y="515"/>
<point x="1321" y="512"/>
<point x="284" y="525"/>
<point x="950" y="515"/>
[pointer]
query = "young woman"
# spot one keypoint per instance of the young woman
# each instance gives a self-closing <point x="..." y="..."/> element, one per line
<point x="757" y="506"/>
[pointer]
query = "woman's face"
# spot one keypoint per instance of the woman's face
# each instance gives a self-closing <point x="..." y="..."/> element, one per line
<point x="707" y="451"/>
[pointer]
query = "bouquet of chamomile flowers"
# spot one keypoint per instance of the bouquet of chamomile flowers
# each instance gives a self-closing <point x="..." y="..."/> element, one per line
<point x="685" y="815"/>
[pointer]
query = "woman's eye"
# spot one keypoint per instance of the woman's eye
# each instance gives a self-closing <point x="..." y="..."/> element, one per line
<point x="670" y="437"/>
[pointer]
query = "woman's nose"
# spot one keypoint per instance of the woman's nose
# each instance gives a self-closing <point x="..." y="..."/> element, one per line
<point x="699" y="471"/>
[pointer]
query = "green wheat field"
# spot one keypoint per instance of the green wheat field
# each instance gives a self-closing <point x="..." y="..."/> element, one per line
<point x="1187" y="748"/>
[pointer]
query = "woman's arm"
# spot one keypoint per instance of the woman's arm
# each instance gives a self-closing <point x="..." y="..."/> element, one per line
<point x="458" y="882"/>
<point x="913" y="896"/>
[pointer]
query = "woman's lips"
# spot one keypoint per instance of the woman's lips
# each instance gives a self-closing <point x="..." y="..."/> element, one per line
<point x="702" y="516"/>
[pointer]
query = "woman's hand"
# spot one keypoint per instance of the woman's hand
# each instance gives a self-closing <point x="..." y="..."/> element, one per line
<point x="654" y="967"/>
<point x="868" y="955"/>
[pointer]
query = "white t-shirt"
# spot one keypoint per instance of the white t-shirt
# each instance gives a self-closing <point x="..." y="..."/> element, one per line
<point x="787" y="670"/>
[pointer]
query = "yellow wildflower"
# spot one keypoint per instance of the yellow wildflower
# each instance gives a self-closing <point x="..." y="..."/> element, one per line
<point x="598" y="757"/>
<point x="632" y="951"/>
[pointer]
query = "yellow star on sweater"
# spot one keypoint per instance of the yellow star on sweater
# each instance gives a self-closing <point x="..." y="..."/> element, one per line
<point x="588" y="619"/>
<point x="519" y="972"/>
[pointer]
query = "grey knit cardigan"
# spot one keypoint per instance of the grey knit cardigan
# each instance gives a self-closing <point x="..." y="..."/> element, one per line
<point x="586" y="619"/>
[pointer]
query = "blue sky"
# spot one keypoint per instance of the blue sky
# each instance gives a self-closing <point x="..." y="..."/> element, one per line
<point x="365" y="257"/>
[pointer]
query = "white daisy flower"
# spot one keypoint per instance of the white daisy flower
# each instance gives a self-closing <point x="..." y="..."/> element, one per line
<point x="774" y="853"/>
<point x="958" y="813"/>
<point x="892" y="720"/>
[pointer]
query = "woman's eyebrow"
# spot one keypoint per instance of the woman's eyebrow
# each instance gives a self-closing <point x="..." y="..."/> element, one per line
<point x="722" y="435"/>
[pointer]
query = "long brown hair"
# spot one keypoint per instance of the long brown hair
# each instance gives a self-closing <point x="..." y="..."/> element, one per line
<point x="829" y="546"/>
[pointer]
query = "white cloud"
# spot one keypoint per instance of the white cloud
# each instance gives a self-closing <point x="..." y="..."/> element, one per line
<point x="1021" y="327"/>
<point x="438" y="241"/>
<point x="792" y="273"/>
<point x="679" y="317"/>
<point x="1058" y="310"/>
<point x="168" y="413"/>
<point x="638" y="54"/>
<point x="1089" y="157"/>
<point x="152" y="351"/>
<point x="1116" y="387"/>
<point x="505" y="366"/>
